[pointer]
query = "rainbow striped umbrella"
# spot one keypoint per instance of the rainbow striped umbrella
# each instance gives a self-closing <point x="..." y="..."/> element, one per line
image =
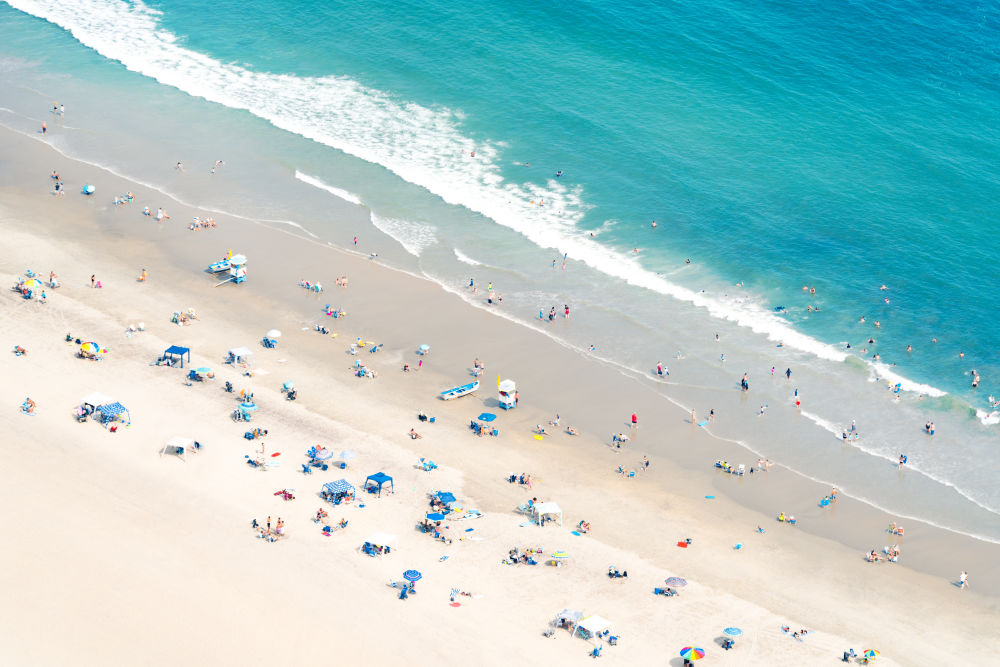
<point x="90" y="348"/>
<point x="870" y="653"/>
<point x="692" y="653"/>
<point x="32" y="283"/>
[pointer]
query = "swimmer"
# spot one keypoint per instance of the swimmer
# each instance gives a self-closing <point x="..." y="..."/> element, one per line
<point x="687" y="261"/>
<point x="558" y="173"/>
<point x="653" y="224"/>
<point x="862" y="320"/>
<point x="909" y="348"/>
<point x="883" y="288"/>
<point x="179" y="167"/>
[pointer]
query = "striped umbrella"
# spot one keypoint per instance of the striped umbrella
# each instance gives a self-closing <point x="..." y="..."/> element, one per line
<point x="675" y="581"/>
<point x="870" y="653"/>
<point x="692" y="653"/>
<point x="32" y="283"/>
<point x="323" y="454"/>
<point x="733" y="632"/>
<point x="412" y="575"/>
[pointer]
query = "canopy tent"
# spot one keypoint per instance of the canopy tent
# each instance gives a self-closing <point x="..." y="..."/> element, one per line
<point x="447" y="497"/>
<point x="178" y="351"/>
<point x="383" y="540"/>
<point x="339" y="486"/>
<point x="379" y="478"/>
<point x="112" y="410"/>
<point x="548" y="509"/>
<point x="240" y="355"/>
<point x="179" y="445"/>
<point x="95" y="399"/>
<point x="593" y="624"/>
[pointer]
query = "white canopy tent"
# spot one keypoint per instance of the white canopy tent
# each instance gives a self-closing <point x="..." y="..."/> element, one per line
<point x="548" y="509"/>
<point x="241" y="354"/>
<point x="593" y="624"/>
<point x="179" y="445"/>
<point x="383" y="540"/>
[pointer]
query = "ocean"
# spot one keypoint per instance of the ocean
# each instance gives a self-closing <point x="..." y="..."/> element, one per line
<point x="801" y="155"/>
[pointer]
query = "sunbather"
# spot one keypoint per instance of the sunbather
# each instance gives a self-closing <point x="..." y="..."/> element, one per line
<point x="414" y="435"/>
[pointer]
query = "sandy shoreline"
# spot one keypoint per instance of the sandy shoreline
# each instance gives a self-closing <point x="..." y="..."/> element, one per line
<point x="163" y="504"/>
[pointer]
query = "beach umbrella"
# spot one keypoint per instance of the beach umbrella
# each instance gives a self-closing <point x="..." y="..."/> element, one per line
<point x="32" y="283"/>
<point x="238" y="260"/>
<point x="487" y="417"/>
<point x="273" y="333"/>
<point x="435" y="516"/>
<point x="445" y="496"/>
<point x="733" y="632"/>
<point x="347" y="455"/>
<point x="248" y="407"/>
<point x="204" y="370"/>
<point x="692" y="653"/>
<point x="412" y="575"/>
<point x="424" y="349"/>
<point x="675" y="581"/>
<point x="560" y="554"/>
<point x="90" y="348"/>
<point x="323" y="454"/>
<point x="870" y="653"/>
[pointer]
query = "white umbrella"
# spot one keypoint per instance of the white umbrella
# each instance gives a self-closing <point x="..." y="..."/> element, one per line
<point x="274" y="333"/>
<point x="347" y="455"/>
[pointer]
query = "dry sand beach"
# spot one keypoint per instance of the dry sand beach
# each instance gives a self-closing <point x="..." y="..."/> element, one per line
<point x="117" y="554"/>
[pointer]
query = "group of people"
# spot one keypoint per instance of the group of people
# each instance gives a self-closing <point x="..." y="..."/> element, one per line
<point x="264" y="531"/>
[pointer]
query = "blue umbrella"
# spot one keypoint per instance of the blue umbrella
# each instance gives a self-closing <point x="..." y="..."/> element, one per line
<point x="733" y="632"/>
<point x="436" y="516"/>
<point x="445" y="496"/>
<point x="412" y="575"/>
<point x="487" y="417"/>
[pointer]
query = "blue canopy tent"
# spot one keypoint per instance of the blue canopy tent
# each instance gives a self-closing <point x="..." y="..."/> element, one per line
<point x="177" y="351"/>
<point x="340" y="486"/>
<point x="379" y="478"/>
<point x="112" y="410"/>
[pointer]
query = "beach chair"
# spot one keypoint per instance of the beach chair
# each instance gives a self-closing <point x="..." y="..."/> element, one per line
<point x="741" y="469"/>
<point x="306" y="470"/>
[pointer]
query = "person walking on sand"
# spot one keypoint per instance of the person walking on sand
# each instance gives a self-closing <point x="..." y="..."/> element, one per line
<point x="142" y="276"/>
<point x="44" y="127"/>
<point x="93" y="278"/>
<point x="694" y="417"/>
<point x="635" y="421"/>
<point x="788" y="373"/>
<point x="963" y="580"/>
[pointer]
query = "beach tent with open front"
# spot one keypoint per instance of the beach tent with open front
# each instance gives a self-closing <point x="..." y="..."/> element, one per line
<point x="91" y="401"/>
<point x="378" y="544"/>
<point x="379" y="478"/>
<point x="550" y="510"/>
<point x="592" y="625"/>
<point x="179" y="352"/>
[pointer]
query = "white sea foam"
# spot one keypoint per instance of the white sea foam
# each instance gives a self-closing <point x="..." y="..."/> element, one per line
<point x="880" y="370"/>
<point x="465" y="259"/>
<point x="988" y="418"/>
<point x="824" y="424"/>
<point x="336" y="192"/>
<point x="413" y="236"/>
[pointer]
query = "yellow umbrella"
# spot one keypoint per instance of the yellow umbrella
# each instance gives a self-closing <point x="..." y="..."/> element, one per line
<point x="32" y="283"/>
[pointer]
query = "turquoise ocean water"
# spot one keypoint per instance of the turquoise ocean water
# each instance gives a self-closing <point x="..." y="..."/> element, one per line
<point x="777" y="145"/>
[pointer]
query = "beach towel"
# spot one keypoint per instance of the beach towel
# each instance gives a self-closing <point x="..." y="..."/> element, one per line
<point x="682" y="545"/>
